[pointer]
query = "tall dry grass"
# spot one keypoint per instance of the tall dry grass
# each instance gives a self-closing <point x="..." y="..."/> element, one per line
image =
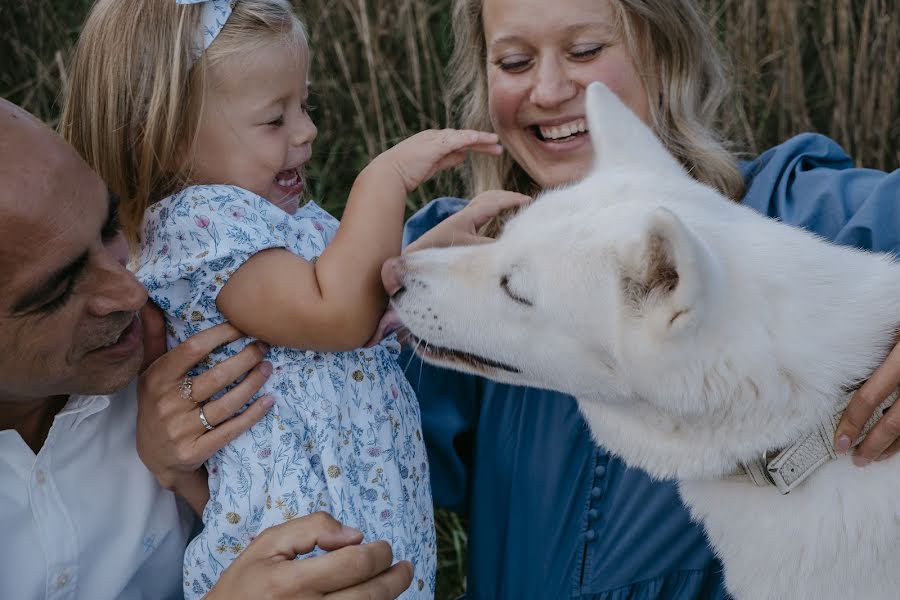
<point x="799" y="65"/>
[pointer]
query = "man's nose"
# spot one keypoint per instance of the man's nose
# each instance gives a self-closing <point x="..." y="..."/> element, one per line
<point x="392" y="275"/>
<point x="117" y="290"/>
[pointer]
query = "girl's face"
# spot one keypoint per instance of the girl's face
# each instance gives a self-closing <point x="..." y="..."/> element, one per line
<point x="541" y="56"/>
<point x="255" y="131"/>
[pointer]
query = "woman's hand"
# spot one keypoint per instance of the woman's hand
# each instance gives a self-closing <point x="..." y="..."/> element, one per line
<point x="883" y="440"/>
<point x="171" y="439"/>
<point x="267" y="569"/>
<point x="462" y="228"/>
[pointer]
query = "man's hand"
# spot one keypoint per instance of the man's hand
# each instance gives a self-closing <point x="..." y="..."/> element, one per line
<point x="883" y="440"/>
<point x="171" y="440"/>
<point x="267" y="569"/>
<point x="461" y="229"/>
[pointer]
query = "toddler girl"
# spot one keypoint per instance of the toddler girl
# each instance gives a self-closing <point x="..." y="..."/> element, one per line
<point x="200" y="115"/>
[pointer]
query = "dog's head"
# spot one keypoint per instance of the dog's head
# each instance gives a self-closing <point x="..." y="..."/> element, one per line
<point x="585" y="283"/>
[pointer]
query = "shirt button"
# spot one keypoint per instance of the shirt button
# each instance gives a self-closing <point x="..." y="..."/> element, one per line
<point x="596" y="492"/>
<point x="591" y="535"/>
<point x="39" y="477"/>
<point x="599" y="470"/>
<point x="593" y="514"/>
<point x="62" y="580"/>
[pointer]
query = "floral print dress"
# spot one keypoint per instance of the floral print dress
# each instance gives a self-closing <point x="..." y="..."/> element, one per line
<point x="344" y="435"/>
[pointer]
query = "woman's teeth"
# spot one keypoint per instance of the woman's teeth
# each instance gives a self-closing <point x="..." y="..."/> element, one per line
<point x="558" y="132"/>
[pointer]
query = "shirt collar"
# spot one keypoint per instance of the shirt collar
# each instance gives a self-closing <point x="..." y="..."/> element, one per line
<point x="82" y="407"/>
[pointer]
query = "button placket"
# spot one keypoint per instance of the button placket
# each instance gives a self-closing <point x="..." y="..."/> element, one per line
<point x="596" y="495"/>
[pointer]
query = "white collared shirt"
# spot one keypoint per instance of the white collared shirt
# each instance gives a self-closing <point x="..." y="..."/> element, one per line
<point x="85" y="518"/>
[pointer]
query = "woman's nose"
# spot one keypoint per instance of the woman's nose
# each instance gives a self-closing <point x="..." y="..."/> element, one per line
<point x="553" y="85"/>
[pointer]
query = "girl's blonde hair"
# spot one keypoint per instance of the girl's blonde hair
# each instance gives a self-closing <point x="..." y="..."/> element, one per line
<point x="137" y="90"/>
<point x="680" y="67"/>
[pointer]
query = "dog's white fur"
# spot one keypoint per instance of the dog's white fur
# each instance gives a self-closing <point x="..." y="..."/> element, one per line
<point x="695" y="334"/>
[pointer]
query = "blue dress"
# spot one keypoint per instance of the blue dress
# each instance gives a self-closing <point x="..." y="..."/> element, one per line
<point x="344" y="435"/>
<point x="552" y="515"/>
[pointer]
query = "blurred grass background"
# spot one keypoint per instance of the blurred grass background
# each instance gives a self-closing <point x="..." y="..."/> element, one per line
<point x="831" y="66"/>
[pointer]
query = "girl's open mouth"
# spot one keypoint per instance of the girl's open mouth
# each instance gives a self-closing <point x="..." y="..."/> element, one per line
<point x="290" y="181"/>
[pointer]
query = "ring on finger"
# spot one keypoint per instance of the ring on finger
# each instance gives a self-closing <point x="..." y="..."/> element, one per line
<point x="204" y="422"/>
<point x="186" y="389"/>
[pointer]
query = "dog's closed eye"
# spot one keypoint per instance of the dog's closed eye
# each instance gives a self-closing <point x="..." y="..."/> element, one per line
<point x="504" y="283"/>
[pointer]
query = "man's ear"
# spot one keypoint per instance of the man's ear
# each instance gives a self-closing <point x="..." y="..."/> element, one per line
<point x="675" y="277"/>
<point x="619" y="137"/>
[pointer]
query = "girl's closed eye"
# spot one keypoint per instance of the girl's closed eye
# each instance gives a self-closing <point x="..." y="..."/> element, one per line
<point x="276" y="122"/>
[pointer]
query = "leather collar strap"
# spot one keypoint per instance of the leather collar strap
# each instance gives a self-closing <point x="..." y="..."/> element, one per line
<point x="792" y="465"/>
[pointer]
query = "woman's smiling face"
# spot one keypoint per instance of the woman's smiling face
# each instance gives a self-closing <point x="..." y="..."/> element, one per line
<point x="541" y="56"/>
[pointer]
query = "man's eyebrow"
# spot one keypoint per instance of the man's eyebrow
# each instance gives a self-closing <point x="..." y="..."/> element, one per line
<point x="42" y="291"/>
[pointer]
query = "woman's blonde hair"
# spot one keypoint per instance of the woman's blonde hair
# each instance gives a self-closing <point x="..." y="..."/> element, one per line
<point x="679" y="64"/>
<point x="137" y="90"/>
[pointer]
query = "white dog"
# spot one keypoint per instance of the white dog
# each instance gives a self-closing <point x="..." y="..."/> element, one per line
<point x="701" y="340"/>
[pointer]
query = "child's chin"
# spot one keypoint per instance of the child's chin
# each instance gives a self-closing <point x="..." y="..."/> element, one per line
<point x="288" y="204"/>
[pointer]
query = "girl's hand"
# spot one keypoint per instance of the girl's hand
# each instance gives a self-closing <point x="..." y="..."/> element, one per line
<point x="349" y="570"/>
<point x="417" y="158"/>
<point x="883" y="440"/>
<point x="462" y="228"/>
<point x="171" y="440"/>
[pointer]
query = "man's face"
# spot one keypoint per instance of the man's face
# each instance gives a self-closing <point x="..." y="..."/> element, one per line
<point x="68" y="305"/>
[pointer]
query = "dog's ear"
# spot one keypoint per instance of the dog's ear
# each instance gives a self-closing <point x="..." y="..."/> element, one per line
<point x="619" y="137"/>
<point x="675" y="277"/>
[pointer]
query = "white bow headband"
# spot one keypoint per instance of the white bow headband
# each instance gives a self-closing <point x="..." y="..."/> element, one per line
<point x="213" y="15"/>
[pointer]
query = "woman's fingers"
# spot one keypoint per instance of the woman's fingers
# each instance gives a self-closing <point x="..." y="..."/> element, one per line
<point x="153" y="325"/>
<point x="221" y="409"/>
<point x="867" y="398"/>
<point x="228" y="371"/>
<point x="172" y="365"/>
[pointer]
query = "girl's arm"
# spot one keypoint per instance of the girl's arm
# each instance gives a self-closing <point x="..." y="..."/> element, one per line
<point x="334" y="304"/>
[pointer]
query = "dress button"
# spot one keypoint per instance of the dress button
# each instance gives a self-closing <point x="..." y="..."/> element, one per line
<point x="596" y="492"/>
<point x="590" y="535"/>
<point x="62" y="580"/>
<point x="593" y="514"/>
<point x="39" y="477"/>
<point x="599" y="470"/>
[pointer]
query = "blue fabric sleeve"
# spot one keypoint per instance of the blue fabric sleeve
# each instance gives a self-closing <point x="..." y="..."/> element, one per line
<point x="195" y="240"/>
<point x="810" y="182"/>
<point x="449" y="400"/>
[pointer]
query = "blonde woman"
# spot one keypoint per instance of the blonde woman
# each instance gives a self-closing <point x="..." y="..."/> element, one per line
<point x="551" y="514"/>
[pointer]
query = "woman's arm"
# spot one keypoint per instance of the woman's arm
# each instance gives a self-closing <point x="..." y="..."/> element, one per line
<point x="810" y="182"/>
<point x="334" y="304"/>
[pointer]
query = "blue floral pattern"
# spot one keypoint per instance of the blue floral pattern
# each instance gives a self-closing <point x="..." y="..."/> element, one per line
<point x="344" y="435"/>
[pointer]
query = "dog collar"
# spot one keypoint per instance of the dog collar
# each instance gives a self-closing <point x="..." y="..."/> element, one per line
<point x="789" y="467"/>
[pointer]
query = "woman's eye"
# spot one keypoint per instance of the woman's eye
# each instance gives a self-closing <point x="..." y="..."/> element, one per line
<point x="514" y="64"/>
<point x="585" y="53"/>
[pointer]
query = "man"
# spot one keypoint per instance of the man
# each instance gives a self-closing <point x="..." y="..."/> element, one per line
<point x="81" y="515"/>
